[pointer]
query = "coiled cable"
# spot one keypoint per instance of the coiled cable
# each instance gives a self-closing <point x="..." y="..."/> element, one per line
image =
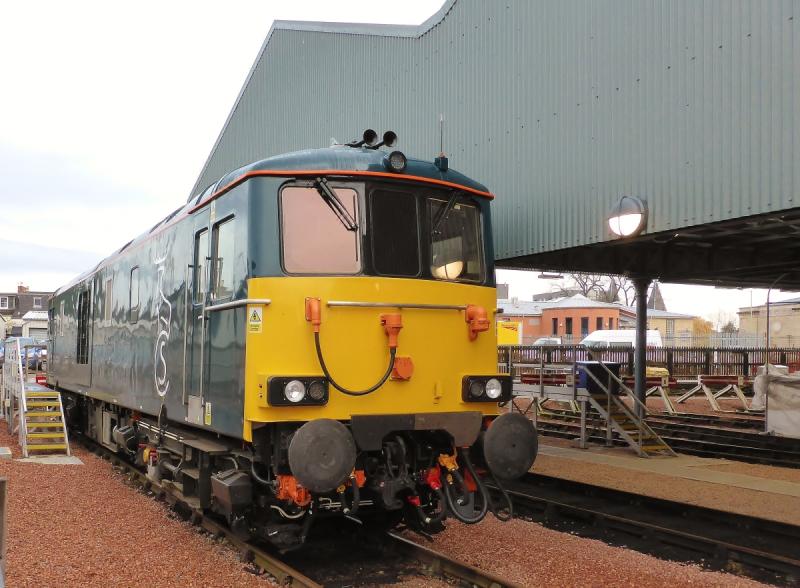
<point x="343" y="390"/>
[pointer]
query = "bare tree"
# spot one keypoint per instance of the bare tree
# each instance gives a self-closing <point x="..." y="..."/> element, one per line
<point x="601" y="287"/>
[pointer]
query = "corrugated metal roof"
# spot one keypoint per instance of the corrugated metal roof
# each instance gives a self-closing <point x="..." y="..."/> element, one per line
<point x="558" y="107"/>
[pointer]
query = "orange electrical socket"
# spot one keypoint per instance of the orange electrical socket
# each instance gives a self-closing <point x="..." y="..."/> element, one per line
<point x="403" y="368"/>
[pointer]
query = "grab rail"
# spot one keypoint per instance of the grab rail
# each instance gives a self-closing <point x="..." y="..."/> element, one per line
<point x="351" y="303"/>
<point x="236" y="304"/>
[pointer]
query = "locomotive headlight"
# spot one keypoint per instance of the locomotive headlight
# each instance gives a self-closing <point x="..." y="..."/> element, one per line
<point x="493" y="388"/>
<point x="294" y="391"/>
<point x="476" y="389"/>
<point x="316" y="390"/>
<point x="395" y="162"/>
<point x="489" y="388"/>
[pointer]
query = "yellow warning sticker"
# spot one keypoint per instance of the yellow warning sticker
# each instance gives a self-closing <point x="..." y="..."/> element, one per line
<point x="255" y="319"/>
<point x="207" y="415"/>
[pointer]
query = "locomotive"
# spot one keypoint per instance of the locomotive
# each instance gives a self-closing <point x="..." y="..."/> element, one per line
<point x="313" y="335"/>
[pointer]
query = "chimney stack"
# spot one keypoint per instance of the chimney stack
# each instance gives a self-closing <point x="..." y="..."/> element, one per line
<point x="22" y="288"/>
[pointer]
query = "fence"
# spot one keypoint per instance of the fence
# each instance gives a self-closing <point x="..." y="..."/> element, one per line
<point x="680" y="361"/>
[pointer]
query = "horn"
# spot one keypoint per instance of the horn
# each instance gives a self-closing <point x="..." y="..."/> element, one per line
<point x="368" y="137"/>
<point x="389" y="139"/>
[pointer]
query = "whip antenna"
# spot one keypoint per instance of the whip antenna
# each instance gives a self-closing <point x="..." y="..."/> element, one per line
<point x="441" y="161"/>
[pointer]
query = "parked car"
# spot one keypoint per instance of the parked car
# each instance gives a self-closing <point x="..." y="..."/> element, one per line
<point x="619" y="338"/>
<point x="35" y="357"/>
<point x="548" y="341"/>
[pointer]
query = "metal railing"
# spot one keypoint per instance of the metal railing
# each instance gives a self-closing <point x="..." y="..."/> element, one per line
<point x="679" y="361"/>
<point x="632" y="409"/>
<point x="13" y="396"/>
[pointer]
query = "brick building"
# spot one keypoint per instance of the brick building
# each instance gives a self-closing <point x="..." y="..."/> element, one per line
<point x="570" y="318"/>
<point x="573" y="317"/>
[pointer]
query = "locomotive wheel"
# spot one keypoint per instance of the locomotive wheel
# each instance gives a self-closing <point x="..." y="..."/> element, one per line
<point x="322" y="454"/>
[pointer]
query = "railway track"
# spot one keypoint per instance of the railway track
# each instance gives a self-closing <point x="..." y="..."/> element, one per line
<point x="419" y="560"/>
<point x="758" y="548"/>
<point x="749" y="422"/>
<point x="691" y="438"/>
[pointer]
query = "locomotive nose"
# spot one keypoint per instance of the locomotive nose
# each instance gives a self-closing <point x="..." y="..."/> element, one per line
<point x="510" y="446"/>
<point x="322" y="454"/>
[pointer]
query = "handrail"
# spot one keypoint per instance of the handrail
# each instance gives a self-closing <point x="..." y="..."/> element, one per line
<point x="627" y="390"/>
<point x="412" y="305"/>
<point x="236" y="304"/>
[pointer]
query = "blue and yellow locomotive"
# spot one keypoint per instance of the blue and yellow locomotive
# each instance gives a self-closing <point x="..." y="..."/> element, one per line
<point x="312" y="335"/>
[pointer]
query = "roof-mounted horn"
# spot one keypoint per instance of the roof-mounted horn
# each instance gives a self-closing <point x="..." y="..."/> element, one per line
<point x="389" y="140"/>
<point x="367" y="138"/>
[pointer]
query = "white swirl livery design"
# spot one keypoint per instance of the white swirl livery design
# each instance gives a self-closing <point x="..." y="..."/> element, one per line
<point x="163" y="312"/>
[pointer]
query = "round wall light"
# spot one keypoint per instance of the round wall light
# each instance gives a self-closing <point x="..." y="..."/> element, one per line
<point x="628" y="216"/>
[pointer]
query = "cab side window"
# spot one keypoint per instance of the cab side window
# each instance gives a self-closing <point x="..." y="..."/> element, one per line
<point x="200" y="266"/>
<point x="224" y="259"/>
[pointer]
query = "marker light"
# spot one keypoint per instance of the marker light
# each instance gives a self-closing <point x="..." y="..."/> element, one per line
<point x="476" y="389"/>
<point x="628" y="217"/>
<point x="294" y="391"/>
<point x="316" y="390"/>
<point x="493" y="388"/>
<point x="395" y="162"/>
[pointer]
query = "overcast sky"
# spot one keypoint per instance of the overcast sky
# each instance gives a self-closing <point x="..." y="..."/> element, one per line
<point x="108" y="112"/>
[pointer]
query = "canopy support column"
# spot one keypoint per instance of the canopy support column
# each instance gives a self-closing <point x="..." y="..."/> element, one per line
<point x="640" y="353"/>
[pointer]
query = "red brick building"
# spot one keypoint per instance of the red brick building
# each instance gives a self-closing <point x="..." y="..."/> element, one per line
<point x="570" y="318"/>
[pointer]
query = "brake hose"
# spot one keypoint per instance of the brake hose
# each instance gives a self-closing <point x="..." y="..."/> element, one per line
<point x="497" y="513"/>
<point x="481" y="490"/>
<point x="392" y="353"/>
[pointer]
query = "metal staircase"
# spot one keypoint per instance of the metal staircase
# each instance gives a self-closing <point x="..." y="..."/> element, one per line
<point x="621" y="418"/>
<point x="34" y="412"/>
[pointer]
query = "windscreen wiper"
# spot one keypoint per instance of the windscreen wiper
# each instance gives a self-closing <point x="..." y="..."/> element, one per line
<point x="336" y="205"/>
<point x="444" y="214"/>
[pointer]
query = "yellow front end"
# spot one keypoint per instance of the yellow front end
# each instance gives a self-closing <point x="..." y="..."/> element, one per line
<point x="354" y="346"/>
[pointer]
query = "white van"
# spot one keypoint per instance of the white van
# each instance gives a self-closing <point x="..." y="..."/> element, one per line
<point x="603" y="339"/>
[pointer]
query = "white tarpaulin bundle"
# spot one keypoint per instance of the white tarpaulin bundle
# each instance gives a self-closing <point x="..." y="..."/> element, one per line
<point x="759" y="401"/>
<point x="783" y="404"/>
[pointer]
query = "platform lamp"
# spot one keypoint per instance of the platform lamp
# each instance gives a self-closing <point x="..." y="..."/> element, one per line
<point x="628" y="216"/>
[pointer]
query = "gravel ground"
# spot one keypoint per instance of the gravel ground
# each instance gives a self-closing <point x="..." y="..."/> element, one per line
<point x="739" y="500"/>
<point x="533" y="555"/>
<point x="73" y="525"/>
<point x="83" y="526"/>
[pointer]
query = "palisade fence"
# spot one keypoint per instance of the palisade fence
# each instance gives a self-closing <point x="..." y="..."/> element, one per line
<point x="680" y="361"/>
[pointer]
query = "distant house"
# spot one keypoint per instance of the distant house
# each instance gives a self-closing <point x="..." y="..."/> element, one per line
<point x="15" y="306"/>
<point x="784" y="322"/>
<point x="675" y="328"/>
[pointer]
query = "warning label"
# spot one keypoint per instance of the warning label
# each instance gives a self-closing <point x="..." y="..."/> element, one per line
<point x="255" y="319"/>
